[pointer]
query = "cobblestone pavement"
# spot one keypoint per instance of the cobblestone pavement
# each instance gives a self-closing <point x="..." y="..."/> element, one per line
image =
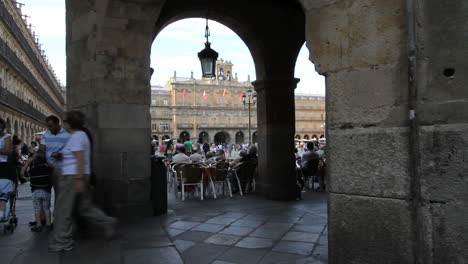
<point x="241" y="230"/>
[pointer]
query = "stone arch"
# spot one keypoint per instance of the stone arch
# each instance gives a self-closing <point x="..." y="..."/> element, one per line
<point x="322" y="136"/>
<point x="297" y="136"/>
<point x="239" y="137"/>
<point x="203" y="137"/>
<point x="314" y="136"/>
<point x="306" y="137"/>
<point x="8" y="125"/>
<point x="184" y="135"/>
<point x="165" y="137"/>
<point x="15" y="130"/>
<point x="222" y="137"/>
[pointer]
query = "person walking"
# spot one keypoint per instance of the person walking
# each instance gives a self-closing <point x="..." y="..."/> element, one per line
<point x="74" y="192"/>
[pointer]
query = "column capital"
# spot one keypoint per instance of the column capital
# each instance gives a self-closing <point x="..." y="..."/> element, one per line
<point x="260" y="85"/>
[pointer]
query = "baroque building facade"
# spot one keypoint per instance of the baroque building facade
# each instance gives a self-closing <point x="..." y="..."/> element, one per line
<point x="211" y="110"/>
<point x="29" y="89"/>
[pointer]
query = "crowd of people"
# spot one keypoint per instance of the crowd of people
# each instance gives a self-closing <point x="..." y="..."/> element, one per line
<point x="59" y="163"/>
<point x="185" y="151"/>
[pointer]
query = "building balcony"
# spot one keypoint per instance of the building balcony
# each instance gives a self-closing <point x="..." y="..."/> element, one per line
<point x="9" y="99"/>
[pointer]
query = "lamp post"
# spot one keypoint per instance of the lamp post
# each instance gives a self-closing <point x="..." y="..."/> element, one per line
<point x="249" y="98"/>
<point x="208" y="56"/>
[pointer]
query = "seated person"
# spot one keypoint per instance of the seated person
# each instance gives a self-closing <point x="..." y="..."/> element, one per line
<point x="181" y="157"/>
<point x="251" y="155"/>
<point x="219" y="157"/>
<point x="237" y="161"/>
<point x="196" y="156"/>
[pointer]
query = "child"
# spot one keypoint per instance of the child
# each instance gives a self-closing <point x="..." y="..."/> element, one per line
<point x="41" y="186"/>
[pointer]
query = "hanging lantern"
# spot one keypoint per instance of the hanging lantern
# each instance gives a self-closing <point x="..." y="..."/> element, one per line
<point x="208" y="56"/>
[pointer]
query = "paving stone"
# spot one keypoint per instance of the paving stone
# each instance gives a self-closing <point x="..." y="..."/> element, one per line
<point x="8" y="253"/>
<point x="194" y="236"/>
<point x="37" y="257"/>
<point x="301" y="248"/>
<point x="174" y="232"/>
<point x="213" y="228"/>
<point x="271" y="233"/>
<point x="278" y="257"/>
<point x="166" y="255"/>
<point x="279" y="226"/>
<point x="237" y="230"/>
<point x="301" y="236"/>
<point x="203" y="253"/>
<point x="199" y="219"/>
<point x="254" y="217"/>
<point x="320" y="250"/>
<point x="183" y="225"/>
<point x="247" y="223"/>
<point x="222" y="262"/>
<point x="309" y="228"/>
<point x="221" y="220"/>
<point x="220" y="239"/>
<point x="284" y="219"/>
<point x="85" y="252"/>
<point x="236" y="215"/>
<point x="311" y="219"/>
<point x="254" y="242"/>
<point x="183" y="245"/>
<point x="243" y="255"/>
<point x="148" y="242"/>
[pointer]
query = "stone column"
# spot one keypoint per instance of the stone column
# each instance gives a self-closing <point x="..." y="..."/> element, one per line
<point x="276" y="127"/>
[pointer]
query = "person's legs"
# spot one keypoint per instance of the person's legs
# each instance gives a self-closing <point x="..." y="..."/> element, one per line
<point x="61" y="237"/>
<point x="46" y="208"/>
<point x="6" y="186"/>
<point x="93" y="214"/>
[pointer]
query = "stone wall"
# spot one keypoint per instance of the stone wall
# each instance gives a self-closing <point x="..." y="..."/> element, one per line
<point x="390" y="203"/>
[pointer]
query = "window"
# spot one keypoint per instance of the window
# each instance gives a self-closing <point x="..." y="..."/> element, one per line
<point x="154" y="127"/>
<point x="166" y="102"/>
<point x="164" y="127"/>
<point x="153" y="101"/>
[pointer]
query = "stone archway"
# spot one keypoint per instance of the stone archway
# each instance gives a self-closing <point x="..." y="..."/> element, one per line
<point x="298" y="136"/>
<point x="254" y="137"/>
<point x="184" y="135"/>
<point x="222" y="137"/>
<point x="203" y="137"/>
<point x="239" y="137"/>
<point x="362" y="48"/>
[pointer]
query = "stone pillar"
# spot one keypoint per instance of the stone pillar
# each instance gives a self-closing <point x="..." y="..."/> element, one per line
<point x="276" y="127"/>
<point x="108" y="74"/>
<point x="361" y="47"/>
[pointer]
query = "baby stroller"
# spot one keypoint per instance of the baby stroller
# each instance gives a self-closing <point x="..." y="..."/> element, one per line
<point x="11" y="221"/>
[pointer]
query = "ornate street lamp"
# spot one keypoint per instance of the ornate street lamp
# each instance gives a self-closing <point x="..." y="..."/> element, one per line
<point x="208" y="56"/>
<point x="249" y="98"/>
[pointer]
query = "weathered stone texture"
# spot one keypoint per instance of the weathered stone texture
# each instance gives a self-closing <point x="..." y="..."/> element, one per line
<point x="443" y="38"/>
<point x="369" y="230"/>
<point x="370" y="162"/>
<point x="444" y="191"/>
<point x="368" y="97"/>
<point x="354" y="34"/>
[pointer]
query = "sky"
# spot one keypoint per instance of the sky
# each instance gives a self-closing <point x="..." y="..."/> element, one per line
<point x="174" y="49"/>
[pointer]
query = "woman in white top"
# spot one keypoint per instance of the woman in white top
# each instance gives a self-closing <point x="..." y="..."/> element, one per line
<point x="75" y="180"/>
<point x="6" y="180"/>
